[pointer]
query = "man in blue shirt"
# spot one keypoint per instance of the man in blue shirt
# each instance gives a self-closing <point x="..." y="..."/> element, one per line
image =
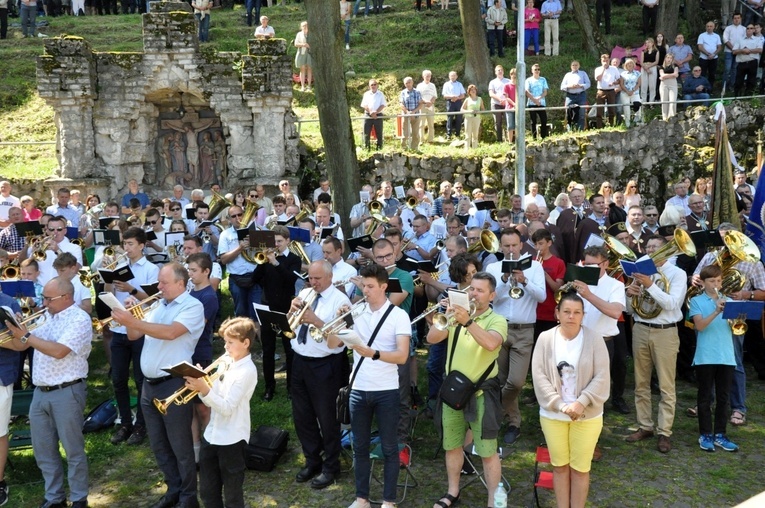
<point x="696" y="87"/>
<point x="9" y="367"/>
<point x="64" y="209"/>
<point x="133" y="193"/>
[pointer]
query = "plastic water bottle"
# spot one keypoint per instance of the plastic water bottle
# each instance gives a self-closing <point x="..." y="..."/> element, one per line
<point x="500" y="497"/>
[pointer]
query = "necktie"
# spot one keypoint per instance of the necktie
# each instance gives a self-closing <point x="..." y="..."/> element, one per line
<point x="304" y="328"/>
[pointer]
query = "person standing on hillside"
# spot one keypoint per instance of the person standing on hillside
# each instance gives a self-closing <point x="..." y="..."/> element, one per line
<point x="411" y="104"/>
<point x="551" y="10"/>
<point x="496" y="18"/>
<point x="497" y="94"/>
<point x="454" y="94"/>
<point x="373" y="103"/>
<point x="429" y="95"/>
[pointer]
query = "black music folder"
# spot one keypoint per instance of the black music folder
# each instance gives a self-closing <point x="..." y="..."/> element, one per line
<point x="18" y="288"/>
<point x="708" y="238"/>
<point x="268" y="318"/>
<point x="150" y="289"/>
<point x="31" y="228"/>
<point x="121" y="273"/>
<point x="184" y="369"/>
<point x="6" y="314"/>
<point x="485" y="205"/>
<point x="587" y="274"/>
<point x="103" y="222"/>
<point x="191" y="213"/>
<point x="151" y="236"/>
<point x="106" y="237"/>
<point x="394" y="286"/>
<point x="407" y="264"/>
<point x="427" y="266"/>
<point x="364" y="241"/>
<point x="327" y="231"/>
<point x="509" y="266"/>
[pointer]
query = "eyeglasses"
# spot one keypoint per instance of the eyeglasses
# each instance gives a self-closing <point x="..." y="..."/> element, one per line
<point x="651" y="214"/>
<point x="56" y="229"/>
<point x="51" y="298"/>
<point x="175" y="209"/>
<point x="235" y="215"/>
<point x="383" y="258"/>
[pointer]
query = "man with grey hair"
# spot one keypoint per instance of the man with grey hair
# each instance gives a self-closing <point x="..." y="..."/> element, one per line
<point x="454" y="93"/>
<point x="196" y="195"/>
<point x="62" y="345"/>
<point x="178" y="196"/>
<point x="429" y="95"/>
<point x="680" y="199"/>
<point x="651" y="216"/>
<point x="411" y="104"/>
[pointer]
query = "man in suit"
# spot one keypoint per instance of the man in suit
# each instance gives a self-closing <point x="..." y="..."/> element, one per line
<point x="591" y="225"/>
<point x="277" y="277"/>
<point x="568" y="221"/>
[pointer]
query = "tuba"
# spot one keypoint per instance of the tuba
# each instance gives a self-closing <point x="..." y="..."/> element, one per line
<point x="218" y="203"/>
<point x="249" y="213"/>
<point x="616" y="252"/>
<point x="375" y="209"/>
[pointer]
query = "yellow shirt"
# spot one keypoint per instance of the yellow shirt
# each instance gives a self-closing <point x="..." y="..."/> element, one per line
<point x="469" y="357"/>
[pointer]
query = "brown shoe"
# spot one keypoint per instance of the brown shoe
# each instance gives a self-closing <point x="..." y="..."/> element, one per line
<point x="639" y="435"/>
<point x="664" y="445"/>
<point x="597" y="455"/>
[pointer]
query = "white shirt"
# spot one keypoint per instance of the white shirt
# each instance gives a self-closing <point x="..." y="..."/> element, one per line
<point x="72" y="328"/>
<point x="260" y="31"/>
<point x="428" y="92"/>
<point x="611" y="291"/>
<point x="524" y="309"/>
<point x="452" y="89"/>
<point x="710" y="43"/>
<point x="733" y="34"/>
<point x="81" y="293"/>
<point x="680" y="203"/>
<point x="326" y="310"/>
<point x="144" y="272"/>
<point x="569" y="351"/>
<point x="373" y="100"/>
<point x="229" y="399"/>
<point x="228" y="242"/>
<point x="538" y="199"/>
<point x="188" y="311"/>
<point x="377" y="375"/>
<point x="6" y="203"/>
<point x="669" y="302"/>
<point x="46" y="266"/>
<point x="497" y="87"/>
<point x="343" y="271"/>
<point x="747" y="43"/>
<point x="609" y="77"/>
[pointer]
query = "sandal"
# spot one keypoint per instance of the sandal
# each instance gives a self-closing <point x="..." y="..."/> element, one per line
<point x="453" y="500"/>
<point x="692" y="412"/>
<point x="738" y="418"/>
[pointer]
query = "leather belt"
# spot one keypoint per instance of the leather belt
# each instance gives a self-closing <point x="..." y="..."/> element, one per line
<point x="653" y="325"/>
<point x="62" y="385"/>
<point x="157" y="380"/>
<point x="609" y="338"/>
<point x="519" y="326"/>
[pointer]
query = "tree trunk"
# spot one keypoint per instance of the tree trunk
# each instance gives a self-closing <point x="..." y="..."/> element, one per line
<point x="478" y="68"/>
<point x="326" y="43"/>
<point x="592" y="40"/>
<point x="696" y="22"/>
<point x="667" y="23"/>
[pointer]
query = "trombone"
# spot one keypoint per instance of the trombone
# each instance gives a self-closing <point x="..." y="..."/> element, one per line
<point x="31" y="322"/>
<point x="337" y="324"/>
<point x="184" y="395"/>
<point x="139" y="311"/>
<point x="114" y="263"/>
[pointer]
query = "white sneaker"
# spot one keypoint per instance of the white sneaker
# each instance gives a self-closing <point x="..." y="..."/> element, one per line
<point x="347" y="46"/>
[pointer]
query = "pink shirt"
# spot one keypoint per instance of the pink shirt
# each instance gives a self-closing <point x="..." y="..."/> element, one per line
<point x="35" y="214"/>
<point x="510" y="94"/>
<point x="531" y="24"/>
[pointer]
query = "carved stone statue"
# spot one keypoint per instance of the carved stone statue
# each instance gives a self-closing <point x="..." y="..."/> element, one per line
<point x="206" y="160"/>
<point x="221" y="164"/>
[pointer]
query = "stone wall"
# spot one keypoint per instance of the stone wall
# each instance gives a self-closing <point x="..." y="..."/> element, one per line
<point x="109" y="107"/>
<point x="656" y="155"/>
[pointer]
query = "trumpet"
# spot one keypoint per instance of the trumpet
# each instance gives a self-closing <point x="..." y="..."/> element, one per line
<point x="337" y="324"/>
<point x="295" y="317"/>
<point x="184" y="395"/>
<point x="443" y="321"/>
<point x="139" y="311"/>
<point x="375" y="209"/>
<point x="516" y="292"/>
<point x="40" y="244"/>
<point x="31" y="322"/>
<point x="114" y="263"/>
<point x="430" y="310"/>
<point x="411" y="202"/>
<point x="26" y="303"/>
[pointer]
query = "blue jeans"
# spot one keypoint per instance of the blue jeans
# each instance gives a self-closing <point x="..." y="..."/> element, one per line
<point x="532" y="34"/>
<point x="250" y="5"/>
<point x="579" y="99"/>
<point x="123" y="352"/>
<point x="244" y="298"/>
<point x="696" y="96"/>
<point x="204" y="27"/>
<point x="382" y="405"/>
<point x="28" y="19"/>
<point x="730" y="71"/>
<point x="356" y="7"/>
<point x="435" y="366"/>
<point x="347" y="31"/>
<point x="738" y="387"/>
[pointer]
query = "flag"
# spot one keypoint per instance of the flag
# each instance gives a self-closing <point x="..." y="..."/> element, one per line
<point x="755" y="223"/>
<point x="723" y="195"/>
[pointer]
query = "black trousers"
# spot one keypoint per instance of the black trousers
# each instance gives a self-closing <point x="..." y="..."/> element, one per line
<point x="709" y="69"/>
<point x="650" y="15"/>
<point x="603" y="11"/>
<point x="221" y="475"/>
<point x="3" y="23"/>
<point x="377" y="123"/>
<point x="419" y="4"/>
<point x="538" y="115"/>
<point x="719" y="379"/>
<point x="753" y="346"/>
<point x="617" y="355"/>
<point x="746" y="72"/>
<point x="315" y="382"/>
<point x="453" y="122"/>
<point x="499" y="119"/>
<point x="268" y="339"/>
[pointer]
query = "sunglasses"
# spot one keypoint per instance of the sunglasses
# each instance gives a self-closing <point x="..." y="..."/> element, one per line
<point x="652" y="215"/>
<point x="235" y="215"/>
<point x="253" y="195"/>
<point x="175" y="209"/>
<point x="56" y="229"/>
<point x="152" y="222"/>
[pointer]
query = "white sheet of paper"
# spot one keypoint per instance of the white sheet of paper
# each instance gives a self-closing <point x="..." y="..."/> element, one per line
<point x="350" y="338"/>
<point x="111" y="301"/>
<point x="459" y="299"/>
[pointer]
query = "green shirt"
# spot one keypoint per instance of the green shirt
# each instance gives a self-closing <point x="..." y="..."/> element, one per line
<point x="469" y="357"/>
<point x="407" y="284"/>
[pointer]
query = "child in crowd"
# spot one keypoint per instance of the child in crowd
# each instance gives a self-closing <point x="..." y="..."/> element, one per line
<point x="714" y="360"/>
<point x="221" y="460"/>
<point x="29" y="270"/>
<point x="5" y="258"/>
<point x="66" y="266"/>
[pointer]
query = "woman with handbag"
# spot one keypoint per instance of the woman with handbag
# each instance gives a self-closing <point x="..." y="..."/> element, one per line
<point x="385" y="332"/>
<point x="570" y="369"/>
<point x="474" y="344"/>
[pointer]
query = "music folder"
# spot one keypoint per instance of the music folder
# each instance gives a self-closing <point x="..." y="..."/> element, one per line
<point x="364" y="241"/>
<point x="31" y="228"/>
<point x="151" y="289"/>
<point x="151" y="235"/>
<point x="106" y="237"/>
<point x="72" y="233"/>
<point x="299" y="234"/>
<point x="6" y="314"/>
<point x="463" y="219"/>
<point x="509" y="266"/>
<point x="709" y="238"/>
<point x="242" y="233"/>
<point x="205" y="224"/>
<point x="407" y="264"/>
<point x="18" y="288"/>
<point x="191" y="213"/>
<point x="394" y="286"/>
<point x="485" y="205"/>
<point x="175" y="238"/>
<point x="751" y="310"/>
<point x="587" y="274"/>
<point x="103" y="222"/>
<point x="262" y="239"/>
<point x="327" y="231"/>
<point x="268" y="318"/>
<point x="644" y="266"/>
<point x="426" y="266"/>
<point x="121" y="273"/>
<point x="184" y="369"/>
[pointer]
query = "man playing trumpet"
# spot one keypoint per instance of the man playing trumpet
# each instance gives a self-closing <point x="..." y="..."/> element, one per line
<point x="318" y="373"/>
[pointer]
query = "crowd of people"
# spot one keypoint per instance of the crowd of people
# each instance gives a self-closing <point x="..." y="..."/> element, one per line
<point x="488" y="282"/>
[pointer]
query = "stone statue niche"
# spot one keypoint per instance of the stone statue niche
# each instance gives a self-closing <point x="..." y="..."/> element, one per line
<point x="190" y="149"/>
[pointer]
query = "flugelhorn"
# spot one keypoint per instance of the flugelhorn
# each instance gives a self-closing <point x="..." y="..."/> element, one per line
<point x="31" y="322"/>
<point x="294" y="318"/>
<point x="443" y="321"/>
<point x="337" y="324"/>
<point x="139" y="311"/>
<point x="184" y="395"/>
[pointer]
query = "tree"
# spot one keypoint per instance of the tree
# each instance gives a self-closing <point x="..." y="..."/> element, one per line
<point x="478" y="68"/>
<point x="669" y="12"/>
<point x="592" y="40"/>
<point x="334" y="116"/>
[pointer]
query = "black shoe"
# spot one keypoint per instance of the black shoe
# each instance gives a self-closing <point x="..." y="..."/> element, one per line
<point x="620" y="406"/>
<point x="80" y="504"/>
<point x="121" y="435"/>
<point x="191" y="502"/>
<point x="307" y="473"/>
<point x="51" y="504"/>
<point x="166" y="502"/>
<point x="269" y="395"/>
<point x="3" y="493"/>
<point x="137" y="436"/>
<point x="511" y="436"/>
<point x="323" y="481"/>
<point x="417" y="400"/>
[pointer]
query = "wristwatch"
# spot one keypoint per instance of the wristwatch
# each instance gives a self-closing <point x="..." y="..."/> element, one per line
<point x="376" y="356"/>
<point x="24" y="338"/>
<point x="134" y="292"/>
<point x="469" y="322"/>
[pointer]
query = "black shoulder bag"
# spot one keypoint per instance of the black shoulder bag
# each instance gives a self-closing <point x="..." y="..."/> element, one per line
<point x="343" y="401"/>
<point x="457" y="388"/>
